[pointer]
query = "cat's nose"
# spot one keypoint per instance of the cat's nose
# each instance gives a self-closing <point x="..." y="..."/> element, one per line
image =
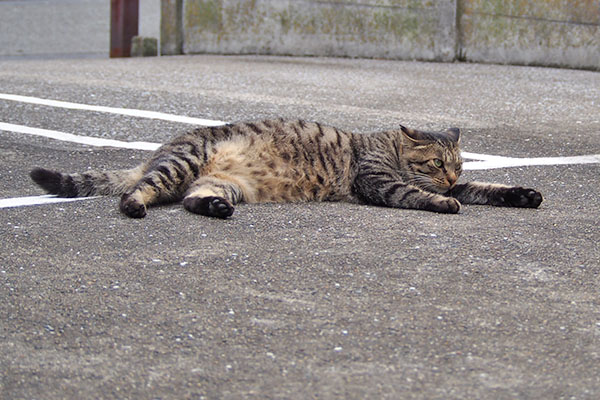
<point x="451" y="179"/>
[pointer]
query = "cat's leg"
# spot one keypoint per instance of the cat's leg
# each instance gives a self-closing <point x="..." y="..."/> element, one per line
<point x="213" y="196"/>
<point x="496" y="195"/>
<point x="408" y="196"/>
<point x="153" y="188"/>
<point x="134" y="203"/>
<point x="385" y="190"/>
<point x="164" y="180"/>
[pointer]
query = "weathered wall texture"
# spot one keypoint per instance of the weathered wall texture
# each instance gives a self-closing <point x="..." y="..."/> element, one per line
<point x="365" y="28"/>
<point x="171" y="28"/>
<point x="540" y="32"/>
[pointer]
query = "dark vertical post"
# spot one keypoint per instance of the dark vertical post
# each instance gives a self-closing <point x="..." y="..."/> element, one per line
<point x="124" y="18"/>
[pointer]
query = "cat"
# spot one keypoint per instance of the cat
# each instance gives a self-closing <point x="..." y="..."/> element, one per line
<point x="214" y="168"/>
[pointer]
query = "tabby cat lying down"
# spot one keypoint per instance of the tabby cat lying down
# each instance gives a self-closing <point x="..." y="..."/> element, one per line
<point x="212" y="169"/>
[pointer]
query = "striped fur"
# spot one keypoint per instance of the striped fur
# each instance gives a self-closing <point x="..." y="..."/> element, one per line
<point x="212" y="169"/>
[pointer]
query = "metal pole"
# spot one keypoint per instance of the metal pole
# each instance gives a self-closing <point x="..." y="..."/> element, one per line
<point x="124" y="18"/>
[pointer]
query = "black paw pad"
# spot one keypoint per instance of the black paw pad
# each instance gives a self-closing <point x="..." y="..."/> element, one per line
<point x="211" y="206"/>
<point x="132" y="208"/>
<point x="522" y="197"/>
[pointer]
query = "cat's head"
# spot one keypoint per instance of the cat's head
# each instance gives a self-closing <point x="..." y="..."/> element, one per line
<point x="433" y="158"/>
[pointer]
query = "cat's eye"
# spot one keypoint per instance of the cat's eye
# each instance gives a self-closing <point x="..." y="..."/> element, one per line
<point x="438" y="163"/>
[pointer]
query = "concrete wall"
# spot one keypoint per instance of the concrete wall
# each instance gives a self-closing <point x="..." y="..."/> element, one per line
<point x="542" y="32"/>
<point x="54" y="28"/>
<point x="368" y="28"/>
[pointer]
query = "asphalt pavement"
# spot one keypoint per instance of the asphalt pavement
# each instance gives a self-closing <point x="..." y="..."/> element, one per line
<point x="295" y="301"/>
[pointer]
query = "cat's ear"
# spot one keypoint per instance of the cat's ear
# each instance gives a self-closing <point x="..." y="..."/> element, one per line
<point x="454" y="135"/>
<point x="414" y="135"/>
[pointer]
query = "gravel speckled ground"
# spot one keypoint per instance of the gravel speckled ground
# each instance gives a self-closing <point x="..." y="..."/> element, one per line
<point x="302" y="300"/>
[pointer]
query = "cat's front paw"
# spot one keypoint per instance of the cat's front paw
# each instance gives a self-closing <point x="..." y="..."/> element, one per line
<point x="131" y="207"/>
<point x="522" y="197"/>
<point x="211" y="206"/>
<point x="447" y="205"/>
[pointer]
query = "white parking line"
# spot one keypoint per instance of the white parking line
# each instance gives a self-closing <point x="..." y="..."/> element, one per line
<point x="483" y="161"/>
<point x="68" y="137"/>
<point x="111" y="110"/>
<point x="38" y="200"/>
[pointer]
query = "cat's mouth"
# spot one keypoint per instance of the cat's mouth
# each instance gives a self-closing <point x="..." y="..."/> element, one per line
<point x="439" y="186"/>
<point x="447" y="183"/>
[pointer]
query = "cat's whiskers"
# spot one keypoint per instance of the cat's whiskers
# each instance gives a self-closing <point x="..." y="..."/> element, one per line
<point x="424" y="182"/>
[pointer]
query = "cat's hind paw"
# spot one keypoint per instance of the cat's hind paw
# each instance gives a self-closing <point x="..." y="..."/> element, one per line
<point x="522" y="197"/>
<point x="211" y="206"/>
<point x="131" y="207"/>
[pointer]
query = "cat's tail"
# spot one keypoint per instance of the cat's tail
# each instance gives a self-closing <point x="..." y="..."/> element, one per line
<point x="92" y="183"/>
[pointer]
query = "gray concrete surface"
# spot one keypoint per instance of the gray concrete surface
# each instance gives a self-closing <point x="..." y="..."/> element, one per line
<point x="302" y="300"/>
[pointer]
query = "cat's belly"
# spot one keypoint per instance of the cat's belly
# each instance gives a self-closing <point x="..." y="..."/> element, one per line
<point x="266" y="172"/>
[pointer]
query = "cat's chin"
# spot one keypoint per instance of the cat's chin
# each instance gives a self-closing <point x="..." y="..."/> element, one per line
<point x="437" y="189"/>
